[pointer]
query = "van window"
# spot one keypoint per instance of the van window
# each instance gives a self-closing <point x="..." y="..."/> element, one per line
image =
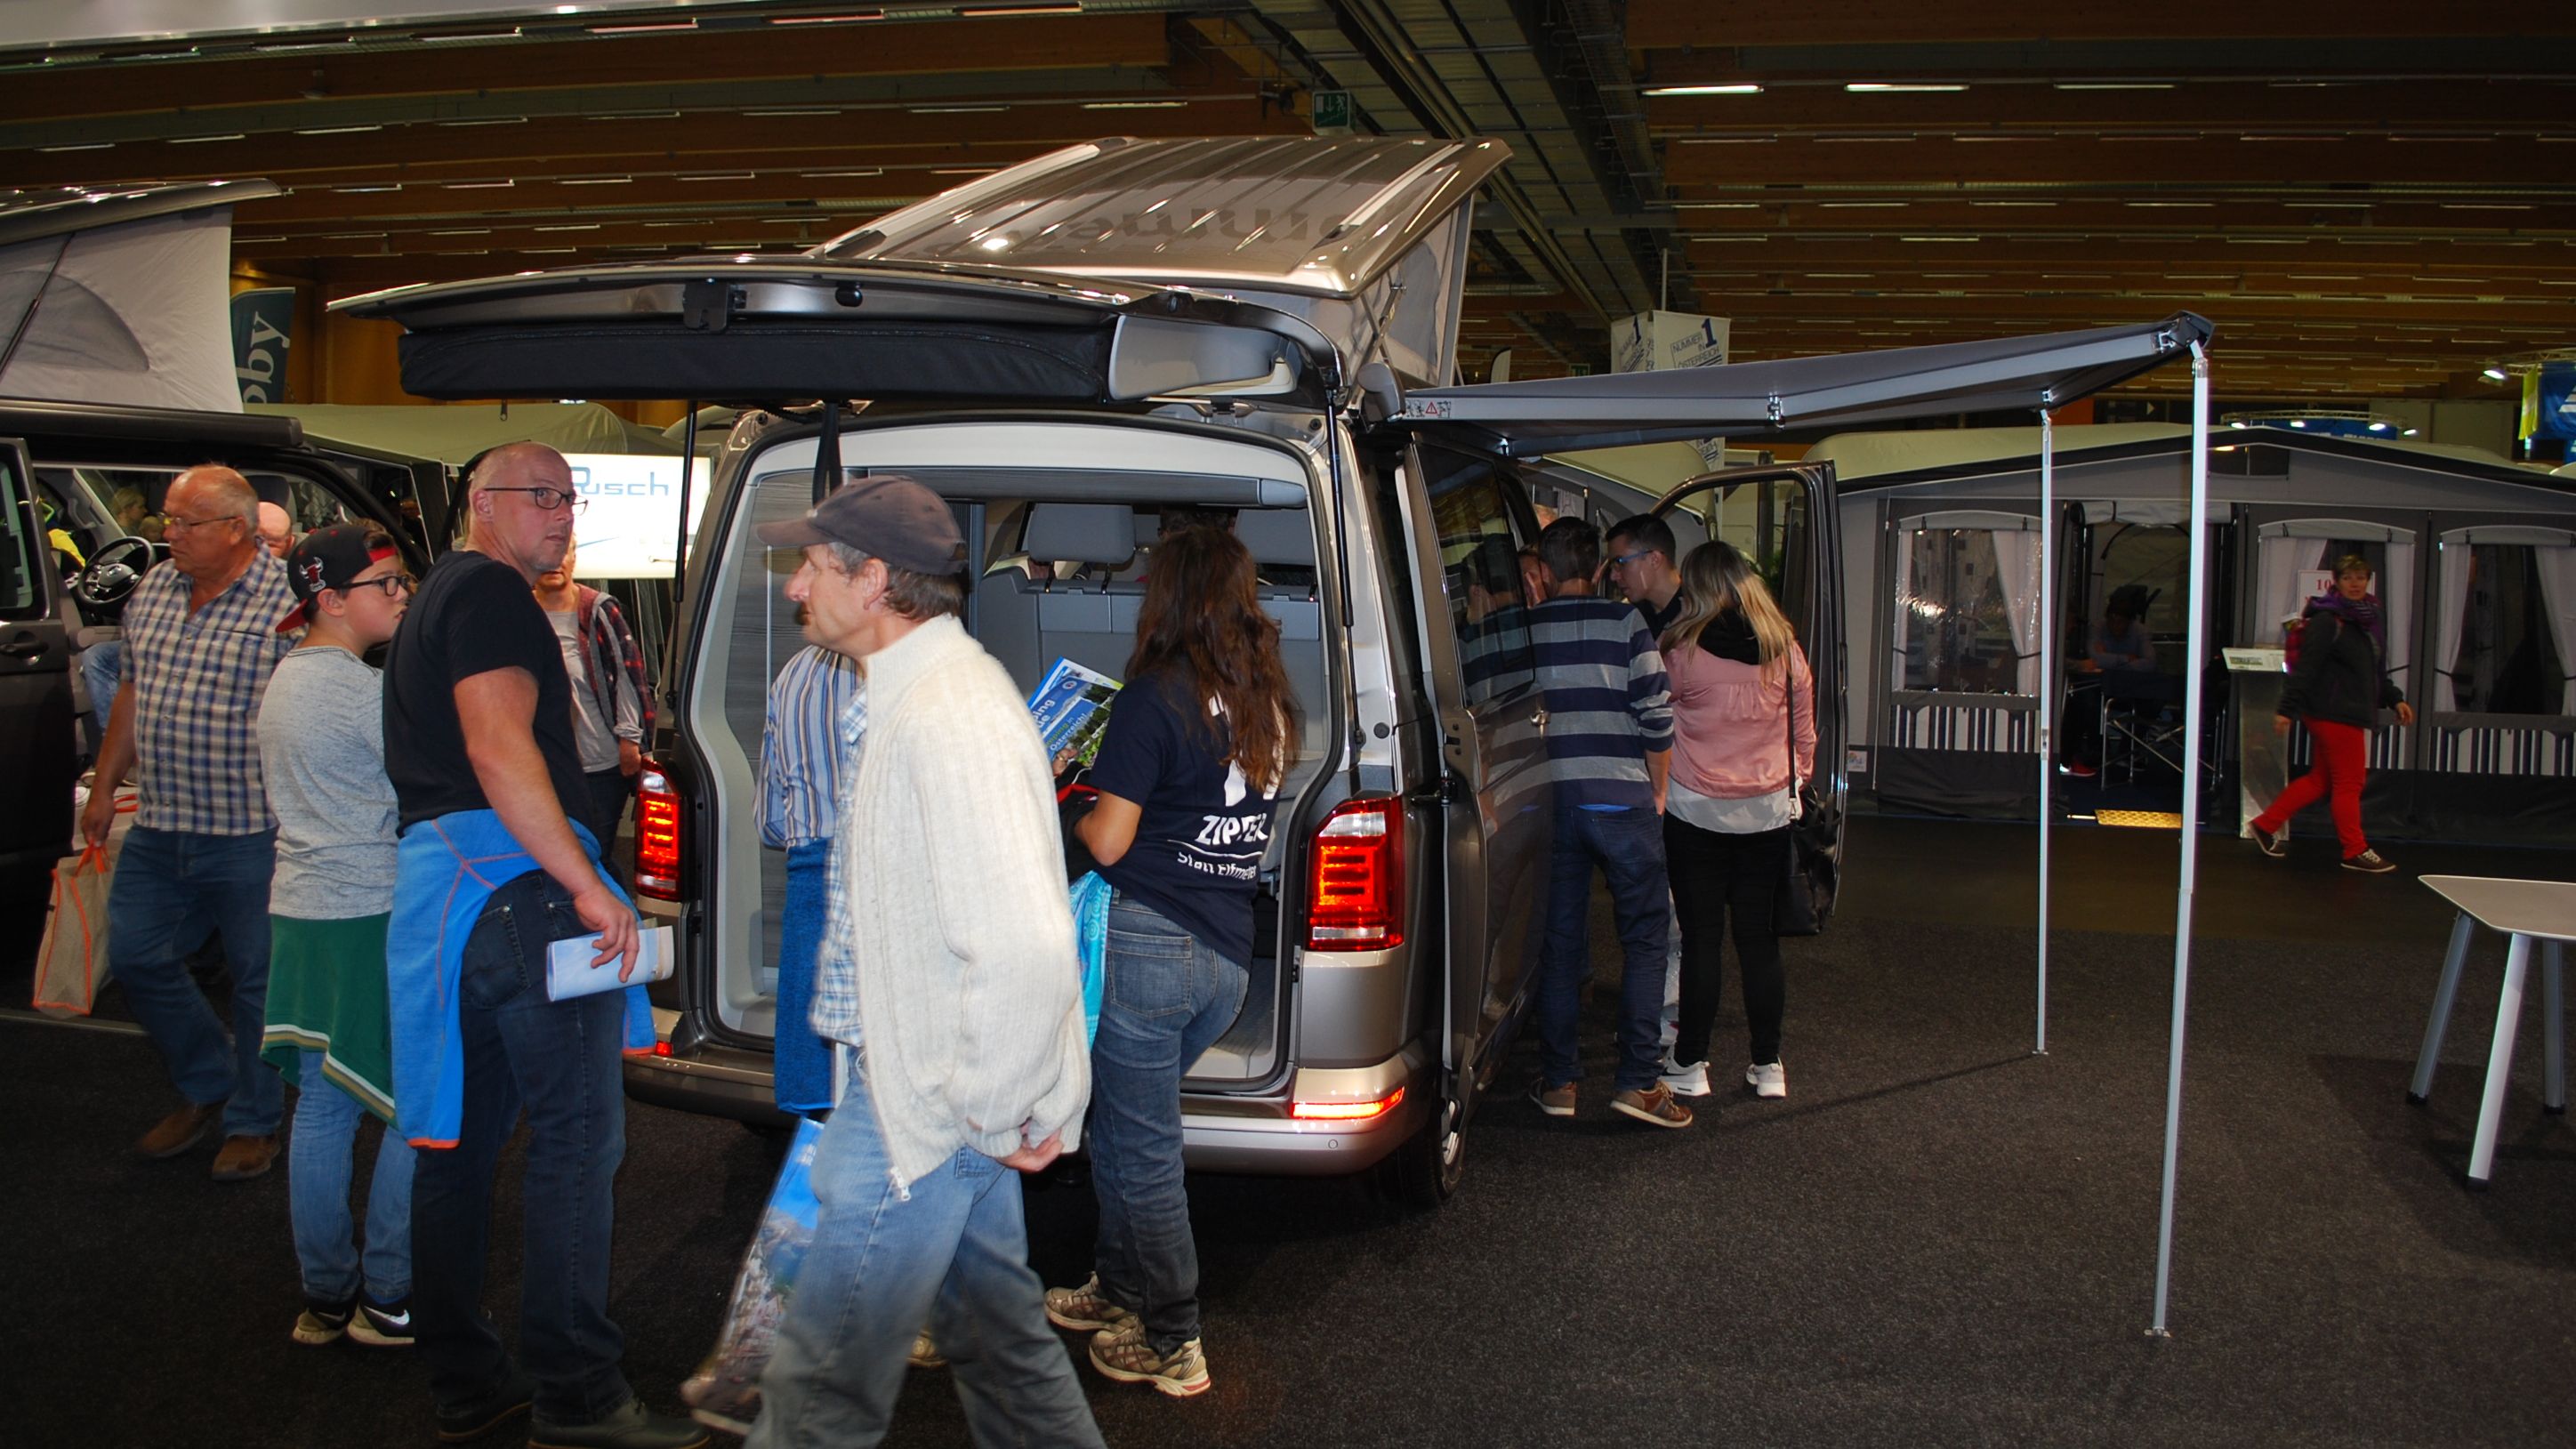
<point x="1480" y="570"/>
<point x="1967" y="610"/>
<point x="22" y="581"/>
<point x="1767" y="523"/>
<point x="2508" y="658"/>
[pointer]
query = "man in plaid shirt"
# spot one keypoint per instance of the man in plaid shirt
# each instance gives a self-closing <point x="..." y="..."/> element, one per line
<point x="201" y="638"/>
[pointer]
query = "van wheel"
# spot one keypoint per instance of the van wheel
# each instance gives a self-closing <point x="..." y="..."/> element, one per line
<point x="1423" y="1172"/>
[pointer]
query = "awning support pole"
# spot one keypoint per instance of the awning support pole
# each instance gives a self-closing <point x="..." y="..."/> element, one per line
<point x="2195" y="652"/>
<point x="2047" y="690"/>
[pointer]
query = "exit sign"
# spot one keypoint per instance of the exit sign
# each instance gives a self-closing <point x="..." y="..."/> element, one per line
<point x="1332" y="111"/>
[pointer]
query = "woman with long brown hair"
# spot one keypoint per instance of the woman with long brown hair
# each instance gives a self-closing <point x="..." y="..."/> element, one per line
<point x="1197" y="744"/>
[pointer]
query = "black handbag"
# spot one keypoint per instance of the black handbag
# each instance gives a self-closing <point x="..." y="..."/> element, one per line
<point x="1814" y="869"/>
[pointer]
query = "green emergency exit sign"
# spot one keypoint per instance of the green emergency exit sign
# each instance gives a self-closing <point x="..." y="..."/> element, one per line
<point x="1332" y="111"/>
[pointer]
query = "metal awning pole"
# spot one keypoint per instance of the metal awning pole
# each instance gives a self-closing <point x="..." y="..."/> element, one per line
<point x="2195" y="652"/>
<point x="2047" y="690"/>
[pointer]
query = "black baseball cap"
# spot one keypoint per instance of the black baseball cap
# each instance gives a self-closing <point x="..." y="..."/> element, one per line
<point x="331" y="558"/>
<point x="888" y="516"/>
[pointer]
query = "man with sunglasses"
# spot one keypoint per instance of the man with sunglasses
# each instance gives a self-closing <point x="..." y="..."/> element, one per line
<point x="494" y="869"/>
<point x="200" y="644"/>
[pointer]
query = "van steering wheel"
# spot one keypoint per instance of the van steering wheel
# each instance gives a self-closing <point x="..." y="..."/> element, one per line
<point x="113" y="572"/>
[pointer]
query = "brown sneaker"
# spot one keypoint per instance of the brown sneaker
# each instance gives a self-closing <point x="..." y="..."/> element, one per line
<point x="243" y="1158"/>
<point x="1554" y="1101"/>
<point x="1654" y="1106"/>
<point x="179" y="1131"/>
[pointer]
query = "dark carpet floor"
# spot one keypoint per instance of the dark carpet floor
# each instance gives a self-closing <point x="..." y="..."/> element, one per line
<point x="1938" y="1239"/>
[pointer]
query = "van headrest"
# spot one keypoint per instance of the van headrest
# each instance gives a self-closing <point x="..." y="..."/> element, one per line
<point x="1277" y="535"/>
<point x="1092" y="533"/>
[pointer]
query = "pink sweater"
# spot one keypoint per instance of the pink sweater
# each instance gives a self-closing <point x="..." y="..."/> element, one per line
<point x="1729" y="742"/>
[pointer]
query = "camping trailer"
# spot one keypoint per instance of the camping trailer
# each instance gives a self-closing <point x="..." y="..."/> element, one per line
<point x="2476" y="565"/>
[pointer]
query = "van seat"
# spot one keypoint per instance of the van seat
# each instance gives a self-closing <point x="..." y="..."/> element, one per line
<point x="1089" y="533"/>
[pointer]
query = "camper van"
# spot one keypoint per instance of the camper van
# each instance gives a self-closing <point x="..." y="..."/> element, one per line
<point x="1066" y="349"/>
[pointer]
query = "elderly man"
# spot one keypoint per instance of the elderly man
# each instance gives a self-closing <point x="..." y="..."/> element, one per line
<point x="201" y="639"/>
<point x="276" y="528"/>
<point x="948" y="961"/>
<point x="493" y="870"/>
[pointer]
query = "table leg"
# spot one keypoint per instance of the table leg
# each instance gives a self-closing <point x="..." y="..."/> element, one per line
<point x="2517" y="965"/>
<point x="2440" y="1023"/>
<point x="2553" y="1029"/>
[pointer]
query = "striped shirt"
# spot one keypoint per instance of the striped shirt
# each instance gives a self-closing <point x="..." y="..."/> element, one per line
<point x="1608" y="702"/>
<point x="835" y="1016"/>
<point x="198" y="683"/>
<point x="799" y="756"/>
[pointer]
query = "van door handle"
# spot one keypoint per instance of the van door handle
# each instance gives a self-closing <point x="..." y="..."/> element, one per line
<point x="23" y="648"/>
<point x="1538" y="716"/>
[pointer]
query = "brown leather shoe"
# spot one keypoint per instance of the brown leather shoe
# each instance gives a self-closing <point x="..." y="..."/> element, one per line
<point x="244" y="1158"/>
<point x="179" y="1131"/>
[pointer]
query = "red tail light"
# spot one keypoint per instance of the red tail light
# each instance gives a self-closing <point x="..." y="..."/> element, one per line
<point x="1355" y="878"/>
<point x="657" y="836"/>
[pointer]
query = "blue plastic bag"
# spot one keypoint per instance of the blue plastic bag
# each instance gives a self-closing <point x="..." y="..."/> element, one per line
<point x="1091" y="941"/>
<point x="725" y="1391"/>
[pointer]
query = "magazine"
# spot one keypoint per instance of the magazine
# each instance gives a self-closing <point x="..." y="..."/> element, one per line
<point x="1072" y="710"/>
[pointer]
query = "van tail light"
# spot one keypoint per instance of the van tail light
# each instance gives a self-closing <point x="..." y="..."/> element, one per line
<point x="1355" y="878"/>
<point x="1346" y="1111"/>
<point x="657" y="835"/>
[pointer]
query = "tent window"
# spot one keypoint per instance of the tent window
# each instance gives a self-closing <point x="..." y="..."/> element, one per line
<point x="2508" y="657"/>
<point x="1480" y="571"/>
<point x="1967" y="611"/>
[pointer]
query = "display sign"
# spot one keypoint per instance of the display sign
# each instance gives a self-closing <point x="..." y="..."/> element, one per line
<point x="1662" y="341"/>
<point x="629" y="526"/>
<point x="263" y="319"/>
<point x="1332" y="112"/>
<point x="2551" y="403"/>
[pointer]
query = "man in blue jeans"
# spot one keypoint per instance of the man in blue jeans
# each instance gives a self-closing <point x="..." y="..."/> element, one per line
<point x="1609" y="744"/>
<point x="200" y="643"/>
<point x="492" y="871"/>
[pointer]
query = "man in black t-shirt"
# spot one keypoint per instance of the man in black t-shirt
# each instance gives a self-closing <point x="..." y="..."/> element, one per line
<point x="1642" y="564"/>
<point x="479" y="744"/>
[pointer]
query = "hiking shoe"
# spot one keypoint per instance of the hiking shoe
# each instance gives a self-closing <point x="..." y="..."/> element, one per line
<point x="631" y="1427"/>
<point x="925" y="1354"/>
<point x="1767" y="1079"/>
<point x="475" y="1418"/>
<point x="1654" y="1106"/>
<point x="1123" y="1354"/>
<point x="1085" y="1309"/>
<point x="185" y="1127"/>
<point x="1686" y="1081"/>
<point x="1554" y="1101"/>
<point x="2369" y="862"/>
<point x="2270" y="842"/>
<point x="244" y="1157"/>
<point x="382" y="1325"/>
<point x="322" y="1322"/>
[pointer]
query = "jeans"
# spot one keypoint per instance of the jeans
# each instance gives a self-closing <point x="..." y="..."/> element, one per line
<point x="605" y="810"/>
<point x="1717" y="875"/>
<point x="169" y="885"/>
<point x="1165" y="998"/>
<point x="101" y="665"/>
<point x="951" y="1251"/>
<point x="317" y="1197"/>
<point x="560" y="1060"/>
<point x="2341" y="756"/>
<point x="801" y="1062"/>
<point x="1628" y="845"/>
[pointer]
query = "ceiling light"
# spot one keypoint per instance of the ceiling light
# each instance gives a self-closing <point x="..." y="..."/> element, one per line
<point x="2379" y="427"/>
<point x="632" y="116"/>
<point x="2298" y="422"/>
<point x="366" y="188"/>
<point x="2012" y="203"/>
<point x="78" y="146"/>
<point x="1936" y="238"/>
<point x="464" y="231"/>
<point x="797" y="111"/>
<point x="955" y="110"/>
<point x="639" y="27"/>
<point x="2171" y="205"/>
<point x="850" y="19"/>
<point x="721" y="176"/>
<point x="1899" y="87"/>
<point x="961" y="171"/>
<point x="480" y="185"/>
<point x="2410" y="432"/>
<point x="487" y="121"/>
<point x="1862" y="205"/>
<point x="286" y="47"/>
<point x="2492" y="374"/>
<point x="1740" y="88"/>
<point x="196" y="140"/>
<point x="595" y="181"/>
<point x="572" y="226"/>
<point x="2115" y="85"/>
<point x="336" y="130"/>
<point x="1133" y="105"/>
<point x="996" y="12"/>
<point x="862" y="171"/>
<point x="2234" y="424"/>
<point x="510" y="34"/>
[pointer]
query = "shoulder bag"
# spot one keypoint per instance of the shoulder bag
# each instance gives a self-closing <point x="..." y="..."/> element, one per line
<point x="1814" y="869"/>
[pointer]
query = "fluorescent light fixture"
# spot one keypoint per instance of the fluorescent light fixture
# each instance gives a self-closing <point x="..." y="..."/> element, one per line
<point x="797" y="111"/>
<point x="367" y="187"/>
<point x="596" y="181"/>
<point x="2172" y="205"/>
<point x="481" y="185"/>
<point x="77" y="146"/>
<point x="2115" y="85"/>
<point x="720" y="176"/>
<point x="2234" y="424"/>
<point x="1936" y="238"/>
<point x="336" y="130"/>
<point x="464" y="231"/>
<point x="2492" y="374"/>
<point x="1133" y="105"/>
<point x="2012" y="203"/>
<point x="287" y="47"/>
<point x="571" y="226"/>
<point x="955" y="110"/>
<point x="1717" y="206"/>
<point x="2298" y="422"/>
<point x="2379" y="427"/>
<point x="961" y="171"/>
<point x="1738" y="88"/>
<point x="199" y="140"/>
<point x="454" y="35"/>
<point x="487" y="121"/>
<point x="1864" y="88"/>
<point x="2410" y="432"/>
<point x="1863" y="205"/>
<point x="996" y="12"/>
<point x="641" y="26"/>
<point x="862" y="171"/>
<point x="853" y="18"/>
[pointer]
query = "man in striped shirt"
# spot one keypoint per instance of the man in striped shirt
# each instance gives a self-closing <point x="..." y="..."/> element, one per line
<point x="800" y="765"/>
<point x="1609" y="743"/>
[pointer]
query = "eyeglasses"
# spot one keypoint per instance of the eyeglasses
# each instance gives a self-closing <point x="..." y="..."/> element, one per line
<point x="176" y="524"/>
<point x="1624" y="559"/>
<point x="394" y="585"/>
<point x="549" y="499"/>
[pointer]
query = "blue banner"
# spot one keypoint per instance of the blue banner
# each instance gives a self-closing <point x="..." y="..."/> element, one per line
<point x="2555" y="416"/>
<point x="262" y="320"/>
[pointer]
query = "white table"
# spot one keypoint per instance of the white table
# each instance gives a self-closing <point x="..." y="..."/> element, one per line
<point x="2524" y="911"/>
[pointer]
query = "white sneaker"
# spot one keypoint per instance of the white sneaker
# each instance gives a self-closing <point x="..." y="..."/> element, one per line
<point x="1767" y="1079"/>
<point x="1690" y="1081"/>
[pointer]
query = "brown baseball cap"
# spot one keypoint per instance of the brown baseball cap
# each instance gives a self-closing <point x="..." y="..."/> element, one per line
<point x="887" y="516"/>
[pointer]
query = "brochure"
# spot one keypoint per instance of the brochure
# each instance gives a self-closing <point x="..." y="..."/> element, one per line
<point x="570" y="974"/>
<point x="1072" y="709"/>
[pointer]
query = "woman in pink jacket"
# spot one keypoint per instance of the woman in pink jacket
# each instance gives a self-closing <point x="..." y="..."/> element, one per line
<point x="1741" y="690"/>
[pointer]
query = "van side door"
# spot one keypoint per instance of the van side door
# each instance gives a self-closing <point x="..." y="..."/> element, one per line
<point x="36" y="727"/>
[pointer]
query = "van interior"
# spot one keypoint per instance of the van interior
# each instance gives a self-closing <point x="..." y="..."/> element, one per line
<point x="1062" y="520"/>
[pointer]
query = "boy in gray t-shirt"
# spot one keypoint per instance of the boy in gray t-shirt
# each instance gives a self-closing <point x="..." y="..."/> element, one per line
<point x="322" y="754"/>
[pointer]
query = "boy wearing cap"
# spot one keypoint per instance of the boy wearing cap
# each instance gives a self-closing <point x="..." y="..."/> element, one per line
<point x="948" y="962"/>
<point x="322" y="754"/>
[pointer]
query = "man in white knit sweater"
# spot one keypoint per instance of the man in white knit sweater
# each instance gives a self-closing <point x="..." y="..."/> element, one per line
<point x="948" y="961"/>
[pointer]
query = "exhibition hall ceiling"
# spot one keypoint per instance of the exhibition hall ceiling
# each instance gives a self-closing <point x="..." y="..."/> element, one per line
<point x="2370" y="199"/>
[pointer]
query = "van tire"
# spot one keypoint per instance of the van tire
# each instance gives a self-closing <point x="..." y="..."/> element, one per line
<point x="1423" y="1172"/>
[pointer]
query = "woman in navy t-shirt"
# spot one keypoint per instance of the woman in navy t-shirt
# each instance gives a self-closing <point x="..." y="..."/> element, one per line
<point x="1191" y="761"/>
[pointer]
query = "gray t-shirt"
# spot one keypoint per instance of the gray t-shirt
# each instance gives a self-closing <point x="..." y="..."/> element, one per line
<point x="322" y="752"/>
<point x="594" y="720"/>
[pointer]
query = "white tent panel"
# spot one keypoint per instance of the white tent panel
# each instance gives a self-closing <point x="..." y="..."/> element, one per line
<point x="136" y="313"/>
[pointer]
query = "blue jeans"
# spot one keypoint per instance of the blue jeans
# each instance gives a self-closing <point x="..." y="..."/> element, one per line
<point x="1628" y="845"/>
<point x="101" y="664"/>
<point x="169" y="886"/>
<point x="1164" y="999"/>
<point x="950" y="1251"/>
<point x="317" y="1196"/>
<point x="801" y="1067"/>
<point x="560" y="1060"/>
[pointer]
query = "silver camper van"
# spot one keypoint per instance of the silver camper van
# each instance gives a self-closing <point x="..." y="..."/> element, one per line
<point x="1067" y="348"/>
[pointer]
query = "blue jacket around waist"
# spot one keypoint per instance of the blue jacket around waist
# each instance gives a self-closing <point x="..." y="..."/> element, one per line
<point x="447" y="870"/>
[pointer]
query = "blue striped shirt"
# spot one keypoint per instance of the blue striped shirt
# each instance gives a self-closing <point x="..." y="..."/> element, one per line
<point x="199" y="680"/>
<point x="1608" y="702"/>
<point x="800" y="756"/>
